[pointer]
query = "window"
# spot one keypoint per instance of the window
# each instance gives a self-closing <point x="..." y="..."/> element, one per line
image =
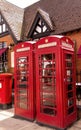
<point x="3" y="45"/>
<point x="3" y="26"/>
<point x="39" y="28"/>
<point x="3" y="57"/>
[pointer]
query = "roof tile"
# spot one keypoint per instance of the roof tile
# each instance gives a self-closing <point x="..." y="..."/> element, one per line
<point x="65" y="14"/>
<point x="14" y="17"/>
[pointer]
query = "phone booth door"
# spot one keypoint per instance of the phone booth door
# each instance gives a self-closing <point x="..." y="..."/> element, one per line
<point x="24" y="99"/>
<point x="46" y="90"/>
<point x="55" y="82"/>
<point x="69" y="88"/>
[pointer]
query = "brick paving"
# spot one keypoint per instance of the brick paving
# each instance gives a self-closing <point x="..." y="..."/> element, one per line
<point x="9" y="122"/>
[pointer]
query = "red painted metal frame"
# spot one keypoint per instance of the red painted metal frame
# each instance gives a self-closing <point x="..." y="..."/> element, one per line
<point x="60" y="46"/>
<point x="25" y="49"/>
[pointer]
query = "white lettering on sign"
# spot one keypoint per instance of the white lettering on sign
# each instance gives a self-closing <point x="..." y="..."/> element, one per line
<point x="0" y="85"/>
<point x="47" y="45"/>
<point x="64" y="44"/>
<point x="23" y="49"/>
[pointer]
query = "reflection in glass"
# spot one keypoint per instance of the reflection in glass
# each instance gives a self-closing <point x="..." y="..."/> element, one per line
<point x="69" y="72"/>
<point x="70" y="94"/>
<point x="70" y="87"/>
<point x="49" y="111"/>
<point x="22" y="82"/>
<point x="69" y="57"/>
<point x="70" y="110"/>
<point x="69" y="79"/>
<point x="22" y="98"/>
<point x="47" y="74"/>
<point x="70" y="102"/>
<point x="48" y="95"/>
<point x="48" y="87"/>
<point x="69" y="64"/>
<point x="46" y="57"/>
<point x="68" y="60"/>
<point x="22" y="86"/>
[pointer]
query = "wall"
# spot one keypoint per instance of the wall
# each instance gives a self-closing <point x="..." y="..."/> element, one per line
<point x="76" y="37"/>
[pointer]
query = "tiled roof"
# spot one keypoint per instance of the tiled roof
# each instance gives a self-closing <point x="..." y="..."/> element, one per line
<point x="65" y="15"/>
<point x="14" y="17"/>
<point x="61" y="15"/>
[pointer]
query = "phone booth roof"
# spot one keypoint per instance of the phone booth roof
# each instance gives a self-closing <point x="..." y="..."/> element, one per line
<point x="24" y="46"/>
<point x="55" y="40"/>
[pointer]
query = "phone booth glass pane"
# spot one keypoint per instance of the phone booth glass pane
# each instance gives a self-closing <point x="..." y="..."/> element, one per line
<point x="47" y="84"/>
<point x="22" y="82"/>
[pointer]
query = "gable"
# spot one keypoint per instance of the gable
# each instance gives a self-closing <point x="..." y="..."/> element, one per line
<point x="41" y="26"/>
<point x="13" y="16"/>
<point x="5" y="28"/>
<point x="65" y="15"/>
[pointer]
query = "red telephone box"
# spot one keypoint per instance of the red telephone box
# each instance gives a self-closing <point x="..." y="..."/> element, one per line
<point x="55" y="82"/>
<point x="24" y="86"/>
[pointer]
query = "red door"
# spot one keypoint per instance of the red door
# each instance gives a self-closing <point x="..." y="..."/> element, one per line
<point x="69" y="89"/>
<point x="24" y="98"/>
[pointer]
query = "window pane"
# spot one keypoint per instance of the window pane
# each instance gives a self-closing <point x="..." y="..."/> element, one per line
<point x="1" y="67"/>
<point x="0" y="29"/>
<point x="4" y="45"/>
<point x="4" y="28"/>
<point x="0" y="18"/>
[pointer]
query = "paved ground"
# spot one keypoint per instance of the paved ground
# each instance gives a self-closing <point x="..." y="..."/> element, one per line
<point x="8" y="122"/>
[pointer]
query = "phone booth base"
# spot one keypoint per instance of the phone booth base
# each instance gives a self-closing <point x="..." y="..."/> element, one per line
<point x="5" y="90"/>
<point x="23" y="76"/>
<point x="55" y="82"/>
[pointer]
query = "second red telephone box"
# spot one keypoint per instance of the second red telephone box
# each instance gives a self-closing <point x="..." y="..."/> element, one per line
<point x="24" y="86"/>
<point x="55" y="82"/>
